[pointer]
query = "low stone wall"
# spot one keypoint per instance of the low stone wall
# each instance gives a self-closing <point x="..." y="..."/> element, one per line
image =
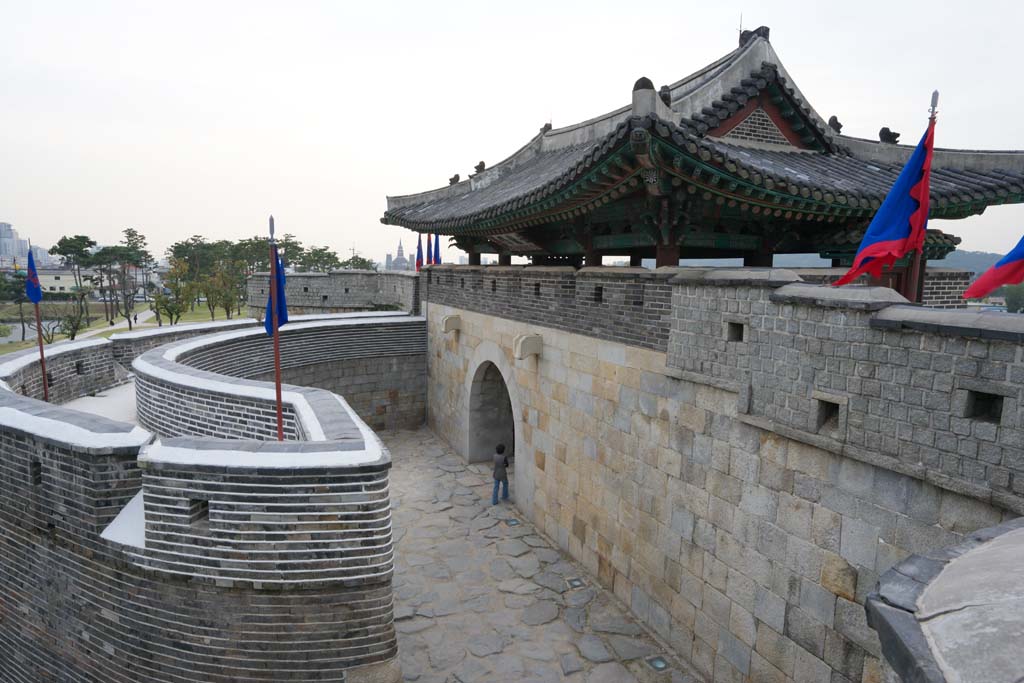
<point x="387" y="392"/>
<point x="181" y="390"/>
<point x="192" y="559"/>
<point x="340" y="291"/>
<point x="943" y="287"/>
<point x="73" y="369"/>
<point x="743" y="487"/>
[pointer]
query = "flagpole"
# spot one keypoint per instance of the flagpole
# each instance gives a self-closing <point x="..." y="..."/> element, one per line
<point x="39" y="323"/>
<point x="277" y="337"/>
<point x="916" y="276"/>
<point x="42" y="356"/>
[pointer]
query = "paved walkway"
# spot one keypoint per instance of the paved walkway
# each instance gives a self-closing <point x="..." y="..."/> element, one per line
<point x="478" y="599"/>
<point x="123" y="325"/>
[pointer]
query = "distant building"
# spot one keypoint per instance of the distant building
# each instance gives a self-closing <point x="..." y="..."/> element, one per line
<point x="400" y="262"/>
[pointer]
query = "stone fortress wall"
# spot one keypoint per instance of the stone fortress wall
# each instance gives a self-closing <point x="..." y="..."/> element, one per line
<point x="340" y="291"/>
<point x="737" y="454"/>
<point x="189" y="558"/>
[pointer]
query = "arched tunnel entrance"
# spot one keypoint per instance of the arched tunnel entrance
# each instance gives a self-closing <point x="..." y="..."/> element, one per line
<point x="491" y="420"/>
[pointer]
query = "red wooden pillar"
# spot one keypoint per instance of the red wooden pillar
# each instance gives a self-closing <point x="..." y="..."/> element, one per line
<point x="667" y="255"/>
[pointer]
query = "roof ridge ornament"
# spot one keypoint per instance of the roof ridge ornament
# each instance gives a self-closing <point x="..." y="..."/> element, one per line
<point x="749" y="36"/>
<point x="643" y="83"/>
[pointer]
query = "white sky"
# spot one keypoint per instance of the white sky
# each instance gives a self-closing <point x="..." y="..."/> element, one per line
<point x="181" y="118"/>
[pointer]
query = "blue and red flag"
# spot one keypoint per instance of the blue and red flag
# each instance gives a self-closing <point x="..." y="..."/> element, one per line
<point x="437" y="249"/>
<point x="277" y="281"/>
<point x="430" y="251"/>
<point x="33" y="290"/>
<point x="899" y="226"/>
<point x="419" y="252"/>
<point x="1008" y="271"/>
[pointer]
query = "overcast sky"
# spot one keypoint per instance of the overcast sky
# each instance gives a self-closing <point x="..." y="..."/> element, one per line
<point x="181" y="118"/>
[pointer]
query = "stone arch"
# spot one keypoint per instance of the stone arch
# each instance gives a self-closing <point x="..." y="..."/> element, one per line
<point x="489" y="371"/>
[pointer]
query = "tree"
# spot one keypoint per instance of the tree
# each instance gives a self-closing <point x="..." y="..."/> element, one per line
<point x="290" y="250"/>
<point x="319" y="260"/>
<point x="177" y="293"/>
<point x="120" y="265"/>
<point x="74" y="255"/>
<point x="136" y="241"/>
<point x="254" y="252"/>
<point x="1014" y="298"/>
<point x="357" y="262"/>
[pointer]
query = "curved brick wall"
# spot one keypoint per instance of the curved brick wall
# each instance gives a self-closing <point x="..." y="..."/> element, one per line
<point x="181" y="388"/>
<point x="191" y="559"/>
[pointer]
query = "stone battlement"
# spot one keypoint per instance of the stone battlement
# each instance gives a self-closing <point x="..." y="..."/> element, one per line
<point x="340" y="291"/>
<point x="214" y="559"/>
<point x="738" y="454"/>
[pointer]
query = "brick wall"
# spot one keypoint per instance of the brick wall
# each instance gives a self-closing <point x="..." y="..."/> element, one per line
<point x="375" y="358"/>
<point x="387" y="392"/>
<point x="74" y="369"/>
<point x="340" y="291"/>
<point x="900" y="398"/>
<point x="77" y="608"/>
<point x="246" y="573"/>
<point x="629" y="305"/>
<point x="944" y="288"/>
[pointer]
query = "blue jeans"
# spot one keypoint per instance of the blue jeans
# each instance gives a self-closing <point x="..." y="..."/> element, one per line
<point x="504" y="493"/>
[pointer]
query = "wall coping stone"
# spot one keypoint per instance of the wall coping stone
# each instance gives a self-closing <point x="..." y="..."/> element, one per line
<point x="857" y="297"/>
<point x="956" y="322"/>
<point x="65" y="428"/>
<point x="892" y="608"/>
<point x="622" y="272"/>
<point x="763" y="277"/>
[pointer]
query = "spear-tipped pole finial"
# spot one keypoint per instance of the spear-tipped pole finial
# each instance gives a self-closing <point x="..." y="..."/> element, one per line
<point x="271" y="227"/>
<point x="935" y="103"/>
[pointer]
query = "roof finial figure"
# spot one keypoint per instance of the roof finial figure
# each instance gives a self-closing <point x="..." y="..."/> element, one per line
<point x="833" y="123"/>
<point x="454" y="179"/>
<point x="666" y="95"/>
<point x="479" y="168"/>
<point x="888" y="136"/>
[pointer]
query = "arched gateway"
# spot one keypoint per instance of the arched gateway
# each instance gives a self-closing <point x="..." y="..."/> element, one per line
<point x="491" y="420"/>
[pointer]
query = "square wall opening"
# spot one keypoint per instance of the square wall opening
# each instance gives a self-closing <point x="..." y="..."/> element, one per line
<point x="984" y="407"/>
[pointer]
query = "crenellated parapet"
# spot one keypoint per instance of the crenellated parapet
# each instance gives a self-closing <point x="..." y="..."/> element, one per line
<point x="134" y="556"/>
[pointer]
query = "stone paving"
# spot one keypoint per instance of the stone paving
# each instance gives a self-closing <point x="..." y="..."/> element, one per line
<point x="479" y="599"/>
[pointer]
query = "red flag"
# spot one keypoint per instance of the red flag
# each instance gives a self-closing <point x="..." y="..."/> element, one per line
<point x="419" y="252"/>
<point x="899" y="226"/>
<point x="1008" y="271"/>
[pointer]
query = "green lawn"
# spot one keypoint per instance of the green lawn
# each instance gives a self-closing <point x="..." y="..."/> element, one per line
<point x="202" y="315"/>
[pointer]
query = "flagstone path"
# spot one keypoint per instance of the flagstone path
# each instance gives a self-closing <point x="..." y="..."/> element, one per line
<point x="478" y="599"/>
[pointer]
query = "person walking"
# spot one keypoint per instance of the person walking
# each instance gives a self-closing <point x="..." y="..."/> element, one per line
<point x="500" y="473"/>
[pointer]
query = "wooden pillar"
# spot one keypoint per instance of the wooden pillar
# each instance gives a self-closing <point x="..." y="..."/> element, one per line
<point x="504" y="259"/>
<point x="758" y="259"/>
<point x="592" y="258"/>
<point x="636" y="260"/>
<point x="474" y="259"/>
<point x="913" y="279"/>
<point x="667" y="255"/>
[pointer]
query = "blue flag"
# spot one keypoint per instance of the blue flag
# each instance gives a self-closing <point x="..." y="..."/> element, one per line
<point x="430" y="250"/>
<point x="437" y="248"/>
<point x="32" y="289"/>
<point x="282" y="305"/>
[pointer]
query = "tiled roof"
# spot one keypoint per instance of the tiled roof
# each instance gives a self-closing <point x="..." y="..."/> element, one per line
<point x="847" y="174"/>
